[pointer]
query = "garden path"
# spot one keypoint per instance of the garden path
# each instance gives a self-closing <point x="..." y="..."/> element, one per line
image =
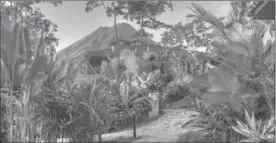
<point x="164" y="129"/>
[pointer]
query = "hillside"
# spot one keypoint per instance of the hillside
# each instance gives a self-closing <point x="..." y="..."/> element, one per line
<point x="98" y="40"/>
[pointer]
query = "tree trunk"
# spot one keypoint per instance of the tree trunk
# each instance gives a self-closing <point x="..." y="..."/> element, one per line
<point x="115" y="25"/>
<point x="61" y="135"/>
<point x="21" y="127"/>
<point x="31" y="123"/>
<point x="48" y="137"/>
<point x="32" y="132"/>
<point x="37" y="137"/>
<point x="160" y="100"/>
<point x="142" y="29"/>
<point x="98" y="125"/>
<point x="27" y="139"/>
<point x="134" y="125"/>
<point x="99" y="136"/>
<point x="11" y="109"/>
<point x="179" y="67"/>
<point x="25" y="122"/>
<point x="16" y="130"/>
<point x="115" y="22"/>
<point x="92" y="113"/>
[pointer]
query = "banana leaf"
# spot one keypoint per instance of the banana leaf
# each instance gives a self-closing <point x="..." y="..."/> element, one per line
<point x="4" y="73"/>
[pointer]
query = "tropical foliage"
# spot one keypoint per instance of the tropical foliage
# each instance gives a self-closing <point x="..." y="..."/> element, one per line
<point x="254" y="131"/>
<point x="242" y="77"/>
<point x="230" y="85"/>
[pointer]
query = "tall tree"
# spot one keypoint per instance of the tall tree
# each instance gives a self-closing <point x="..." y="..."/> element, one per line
<point x="177" y="35"/>
<point x="192" y="34"/>
<point x="112" y="9"/>
<point x="145" y="13"/>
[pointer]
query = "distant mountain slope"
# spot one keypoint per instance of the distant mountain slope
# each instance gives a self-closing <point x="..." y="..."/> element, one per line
<point x="98" y="40"/>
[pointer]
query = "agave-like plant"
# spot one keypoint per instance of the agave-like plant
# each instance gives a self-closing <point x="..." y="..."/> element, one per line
<point x="256" y="130"/>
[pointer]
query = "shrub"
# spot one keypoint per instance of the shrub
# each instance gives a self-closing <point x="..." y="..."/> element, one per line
<point x="121" y="118"/>
<point x="142" y="108"/>
<point x="177" y="92"/>
<point x="192" y="136"/>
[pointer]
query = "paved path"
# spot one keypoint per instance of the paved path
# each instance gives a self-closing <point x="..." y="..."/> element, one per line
<point x="164" y="129"/>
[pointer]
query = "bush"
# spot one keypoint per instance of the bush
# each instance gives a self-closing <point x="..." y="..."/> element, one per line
<point x="177" y="92"/>
<point x="122" y="119"/>
<point x="142" y="108"/>
<point x="192" y="136"/>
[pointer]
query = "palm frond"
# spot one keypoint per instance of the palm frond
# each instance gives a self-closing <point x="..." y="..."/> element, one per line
<point x="259" y="29"/>
<point x="268" y="51"/>
<point x="237" y="12"/>
<point x="205" y="15"/>
<point x="191" y="16"/>
<point x="233" y="14"/>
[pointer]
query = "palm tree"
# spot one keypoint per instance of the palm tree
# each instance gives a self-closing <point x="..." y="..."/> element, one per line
<point x="240" y="52"/>
<point x="244" y="65"/>
<point x="239" y="13"/>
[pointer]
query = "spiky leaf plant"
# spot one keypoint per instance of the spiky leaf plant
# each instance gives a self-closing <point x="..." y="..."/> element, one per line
<point x="256" y="130"/>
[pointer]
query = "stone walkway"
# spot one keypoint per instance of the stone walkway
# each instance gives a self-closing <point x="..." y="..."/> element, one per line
<point x="164" y="129"/>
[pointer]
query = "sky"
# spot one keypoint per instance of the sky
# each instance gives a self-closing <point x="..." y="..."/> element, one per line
<point x="74" y="23"/>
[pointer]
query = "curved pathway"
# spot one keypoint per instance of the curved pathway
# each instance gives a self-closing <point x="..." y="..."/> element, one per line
<point x="164" y="129"/>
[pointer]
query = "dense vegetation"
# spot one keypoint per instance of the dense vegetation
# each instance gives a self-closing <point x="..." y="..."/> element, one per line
<point x="231" y="85"/>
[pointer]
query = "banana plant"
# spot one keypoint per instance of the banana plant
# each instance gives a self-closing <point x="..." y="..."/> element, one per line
<point x="126" y="103"/>
<point x="27" y="66"/>
<point x="256" y="130"/>
<point x="90" y="101"/>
